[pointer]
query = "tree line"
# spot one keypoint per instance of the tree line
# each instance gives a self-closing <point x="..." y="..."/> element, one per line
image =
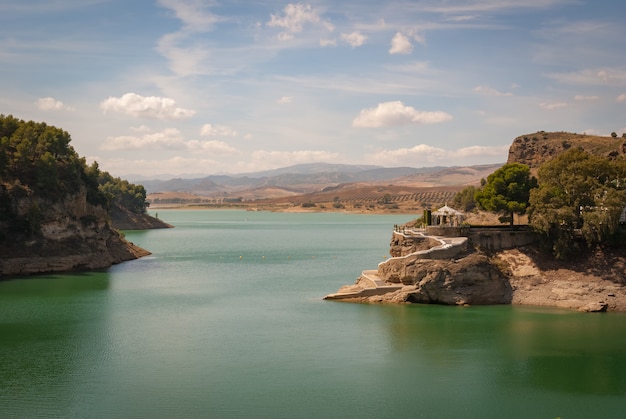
<point x="575" y="202"/>
<point x="39" y="157"/>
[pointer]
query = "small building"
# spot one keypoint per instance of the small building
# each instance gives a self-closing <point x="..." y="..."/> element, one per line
<point x="447" y="217"/>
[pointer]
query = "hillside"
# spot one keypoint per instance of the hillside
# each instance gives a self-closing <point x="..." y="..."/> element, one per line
<point x="540" y="147"/>
<point x="355" y="188"/>
<point x="477" y="264"/>
<point x="53" y="215"/>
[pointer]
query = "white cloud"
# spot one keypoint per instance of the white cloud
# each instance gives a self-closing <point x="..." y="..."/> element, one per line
<point x="51" y="104"/>
<point x="621" y="98"/>
<point x="185" y="58"/>
<point x="271" y="159"/>
<point x="186" y="55"/>
<point x="146" y="107"/>
<point x="490" y="91"/>
<point x="467" y="9"/>
<point x="328" y="42"/>
<point x="294" y="18"/>
<point x="553" y="105"/>
<point x="209" y="130"/>
<point x="141" y="129"/>
<point x="426" y="154"/>
<point x="592" y="77"/>
<point x="192" y="13"/>
<point x="213" y="147"/>
<point x="284" y="100"/>
<point x="396" y="113"/>
<point x="354" y="39"/>
<point x="400" y="44"/>
<point x="168" y="139"/>
<point x="583" y="98"/>
<point x="175" y="165"/>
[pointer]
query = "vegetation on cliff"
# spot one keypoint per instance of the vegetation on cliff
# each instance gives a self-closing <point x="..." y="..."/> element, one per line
<point x="54" y="207"/>
<point x="576" y="202"/>
<point x="37" y="159"/>
<point x="507" y="191"/>
<point x="580" y="200"/>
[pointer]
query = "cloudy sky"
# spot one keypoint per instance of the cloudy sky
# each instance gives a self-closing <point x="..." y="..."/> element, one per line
<point x="188" y="87"/>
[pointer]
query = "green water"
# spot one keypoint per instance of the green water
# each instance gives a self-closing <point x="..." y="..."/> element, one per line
<point x="226" y="319"/>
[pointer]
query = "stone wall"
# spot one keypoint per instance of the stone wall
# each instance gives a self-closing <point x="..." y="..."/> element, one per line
<point x="501" y="238"/>
<point x="488" y="237"/>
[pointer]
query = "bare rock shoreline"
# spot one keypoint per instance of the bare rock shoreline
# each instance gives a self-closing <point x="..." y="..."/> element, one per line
<point x="72" y="235"/>
<point x="595" y="282"/>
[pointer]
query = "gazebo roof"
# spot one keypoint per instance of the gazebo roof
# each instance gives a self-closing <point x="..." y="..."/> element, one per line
<point x="446" y="210"/>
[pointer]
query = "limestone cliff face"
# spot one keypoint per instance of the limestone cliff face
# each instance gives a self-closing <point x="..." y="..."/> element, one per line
<point x="540" y="147"/>
<point x="519" y="275"/>
<point x="470" y="279"/>
<point x="401" y="246"/>
<point x="54" y="235"/>
<point x="123" y="219"/>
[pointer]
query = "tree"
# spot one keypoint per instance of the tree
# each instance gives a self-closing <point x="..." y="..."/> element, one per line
<point x="40" y="157"/>
<point x="123" y="193"/>
<point x="464" y="199"/>
<point x="580" y="197"/>
<point x="507" y="191"/>
<point x="386" y="199"/>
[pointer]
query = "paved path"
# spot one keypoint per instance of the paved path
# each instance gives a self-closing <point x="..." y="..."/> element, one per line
<point x="449" y="247"/>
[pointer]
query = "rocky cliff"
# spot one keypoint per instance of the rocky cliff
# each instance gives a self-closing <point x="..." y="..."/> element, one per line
<point x="520" y="275"/>
<point x="535" y="149"/>
<point x="124" y="219"/>
<point x="54" y="207"/>
<point x="54" y="235"/>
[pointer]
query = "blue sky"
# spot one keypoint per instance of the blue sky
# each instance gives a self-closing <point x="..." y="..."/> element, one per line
<point x="184" y="87"/>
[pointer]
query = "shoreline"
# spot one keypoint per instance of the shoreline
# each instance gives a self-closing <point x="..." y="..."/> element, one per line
<point x="289" y="209"/>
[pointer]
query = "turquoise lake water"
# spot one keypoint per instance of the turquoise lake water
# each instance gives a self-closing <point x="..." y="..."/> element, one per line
<point x="226" y="319"/>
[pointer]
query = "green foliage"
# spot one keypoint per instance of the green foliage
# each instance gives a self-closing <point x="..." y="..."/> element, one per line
<point x="386" y="199"/>
<point x="507" y="191"/>
<point x="37" y="160"/>
<point x="464" y="200"/>
<point x="122" y="193"/>
<point x="580" y="199"/>
<point x="39" y="156"/>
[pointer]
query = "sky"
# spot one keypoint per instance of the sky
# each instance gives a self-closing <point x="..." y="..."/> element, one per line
<point x="181" y="88"/>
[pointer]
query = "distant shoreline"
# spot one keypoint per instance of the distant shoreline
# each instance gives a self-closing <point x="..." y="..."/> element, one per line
<point x="276" y="208"/>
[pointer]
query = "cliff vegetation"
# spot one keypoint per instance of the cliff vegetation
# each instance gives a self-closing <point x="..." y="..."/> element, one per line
<point x="54" y="207"/>
<point x="571" y="254"/>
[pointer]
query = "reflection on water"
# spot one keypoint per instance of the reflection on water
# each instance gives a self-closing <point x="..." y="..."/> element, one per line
<point x="47" y="332"/>
<point x="556" y="350"/>
<point x="226" y="319"/>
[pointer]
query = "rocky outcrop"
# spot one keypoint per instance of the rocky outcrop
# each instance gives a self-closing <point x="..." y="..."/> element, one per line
<point x="123" y="219"/>
<point x="540" y="147"/>
<point x="521" y="275"/>
<point x="470" y="280"/>
<point x="596" y="282"/>
<point x="54" y="235"/>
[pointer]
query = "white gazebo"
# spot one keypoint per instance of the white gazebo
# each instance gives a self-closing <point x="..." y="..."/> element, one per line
<point x="447" y="217"/>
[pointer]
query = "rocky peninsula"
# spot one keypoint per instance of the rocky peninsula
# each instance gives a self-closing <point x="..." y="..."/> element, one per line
<point x="55" y="210"/>
<point x="433" y="269"/>
<point x="71" y="235"/>
<point x="570" y="255"/>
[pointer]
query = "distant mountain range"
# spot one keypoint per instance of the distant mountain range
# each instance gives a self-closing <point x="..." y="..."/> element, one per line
<point x="309" y="178"/>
